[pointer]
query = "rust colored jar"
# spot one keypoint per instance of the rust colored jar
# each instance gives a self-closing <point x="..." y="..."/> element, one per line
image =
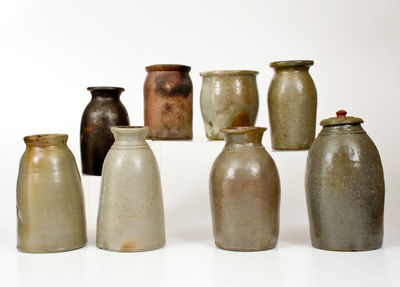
<point x="168" y="102"/>
<point x="105" y="110"/>
<point x="245" y="193"/>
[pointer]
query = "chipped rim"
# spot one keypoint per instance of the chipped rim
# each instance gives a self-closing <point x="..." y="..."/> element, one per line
<point x="291" y="63"/>
<point x="45" y="139"/>
<point x="106" y="88"/>
<point x="229" y="73"/>
<point x="168" y="67"/>
<point x="242" y="130"/>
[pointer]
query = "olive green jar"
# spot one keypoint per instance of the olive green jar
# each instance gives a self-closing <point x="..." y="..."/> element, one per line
<point x="228" y="99"/>
<point x="50" y="206"/>
<point x="292" y="105"/>
<point x="245" y="193"/>
<point x="345" y="187"/>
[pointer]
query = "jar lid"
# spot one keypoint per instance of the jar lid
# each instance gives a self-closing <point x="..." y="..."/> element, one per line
<point x="341" y="119"/>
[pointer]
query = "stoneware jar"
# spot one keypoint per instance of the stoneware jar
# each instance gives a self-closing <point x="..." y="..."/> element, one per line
<point x="131" y="212"/>
<point x="228" y="99"/>
<point x="105" y="110"/>
<point x="50" y="206"/>
<point x="168" y="102"/>
<point x="245" y="193"/>
<point x="345" y="187"/>
<point x="292" y="106"/>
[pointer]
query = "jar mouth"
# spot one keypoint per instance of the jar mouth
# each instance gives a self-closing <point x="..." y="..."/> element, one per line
<point x="130" y="127"/>
<point x="105" y="88"/>
<point x="45" y="139"/>
<point x="291" y="63"/>
<point x="229" y="73"/>
<point x="242" y="130"/>
<point x="168" y="67"/>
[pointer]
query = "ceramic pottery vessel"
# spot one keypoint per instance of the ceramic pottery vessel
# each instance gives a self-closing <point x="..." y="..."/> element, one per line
<point x="345" y="187"/>
<point x="50" y="206"/>
<point x="168" y="102"/>
<point x="228" y="99"/>
<point x="131" y="212"/>
<point x="245" y="193"/>
<point x="105" y="110"/>
<point x="292" y="106"/>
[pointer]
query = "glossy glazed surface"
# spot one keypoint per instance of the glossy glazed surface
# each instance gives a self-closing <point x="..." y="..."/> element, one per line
<point x="228" y="98"/>
<point x="105" y="110"/>
<point x="292" y="106"/>
<point x="131" y="212"/>
<point x="345" y="190"/>
<point x="245" y="193"/>
<point x="50" y="206"/>
<point x="168" y="102"/>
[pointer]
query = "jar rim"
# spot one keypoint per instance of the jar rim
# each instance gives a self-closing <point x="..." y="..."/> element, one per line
<point x="107" y="88"/>
<point x="291" y="63"/>
<point x="242" y="130"/>
<point x="45" y="139"/>
<point x="168" y="67"/>
<point x="229" y="73"/>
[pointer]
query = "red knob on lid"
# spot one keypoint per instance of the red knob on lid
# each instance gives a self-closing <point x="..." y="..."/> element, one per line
<point x="341" y="114"/>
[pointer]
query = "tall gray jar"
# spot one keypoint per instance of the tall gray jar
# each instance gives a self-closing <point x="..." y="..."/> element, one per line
<point x="292" y="105"/>
<point x="345" y="187"/>
<point x="245" y="193"/>
<point x="50" y="206"/>
<point x="131" y="212"/>
<point x="228" y="99"/>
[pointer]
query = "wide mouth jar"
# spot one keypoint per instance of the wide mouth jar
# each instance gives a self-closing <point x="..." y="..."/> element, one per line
<point x="229" y="73"/>
<point x="45" y="139"/>
<point x="291" y="64"/>
<point x="168" y="67"/>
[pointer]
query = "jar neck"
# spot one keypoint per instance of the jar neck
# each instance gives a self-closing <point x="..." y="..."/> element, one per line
<point x="243" y="137"/>
<point x="342" y="129"/>
<point x="46" y="140"/>
<point x="102" y="93"/>
<point x="292" y="69"/>
<point x="129" y="135"/>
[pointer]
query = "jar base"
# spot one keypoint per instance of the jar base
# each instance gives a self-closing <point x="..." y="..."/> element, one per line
<point x="220" y="246"/>
<point x="64" y="249"/>
<point x="347" y="249"/>
<point x="125" y="250"/>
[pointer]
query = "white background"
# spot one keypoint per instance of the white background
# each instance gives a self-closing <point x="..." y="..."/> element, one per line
<point x="50" y="51"/>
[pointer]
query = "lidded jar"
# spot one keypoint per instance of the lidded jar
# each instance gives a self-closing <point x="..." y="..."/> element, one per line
<point x="345" y="187"/>
<point x="292" y="105"/>
<point x="245" y="193"/>
<point x="105" y="110"/>
<point x="50" y="206"/>
<point x="168" y="102"/>
<point x="228" y="99"/>
<point x="131" y="212"/>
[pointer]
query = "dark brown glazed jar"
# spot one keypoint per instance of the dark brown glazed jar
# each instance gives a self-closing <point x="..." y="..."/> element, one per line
<point x="105" y="110"/>
<point x="168" y="102"/>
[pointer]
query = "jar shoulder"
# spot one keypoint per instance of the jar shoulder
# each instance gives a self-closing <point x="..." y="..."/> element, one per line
<point x="356" y="149"/>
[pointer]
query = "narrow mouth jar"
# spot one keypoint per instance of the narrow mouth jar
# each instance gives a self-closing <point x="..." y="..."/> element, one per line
<point x="291" y="64"/>
<point x="229" y="73"/>
<point x="168" y="67"/>
<point x="45" y="139"/>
